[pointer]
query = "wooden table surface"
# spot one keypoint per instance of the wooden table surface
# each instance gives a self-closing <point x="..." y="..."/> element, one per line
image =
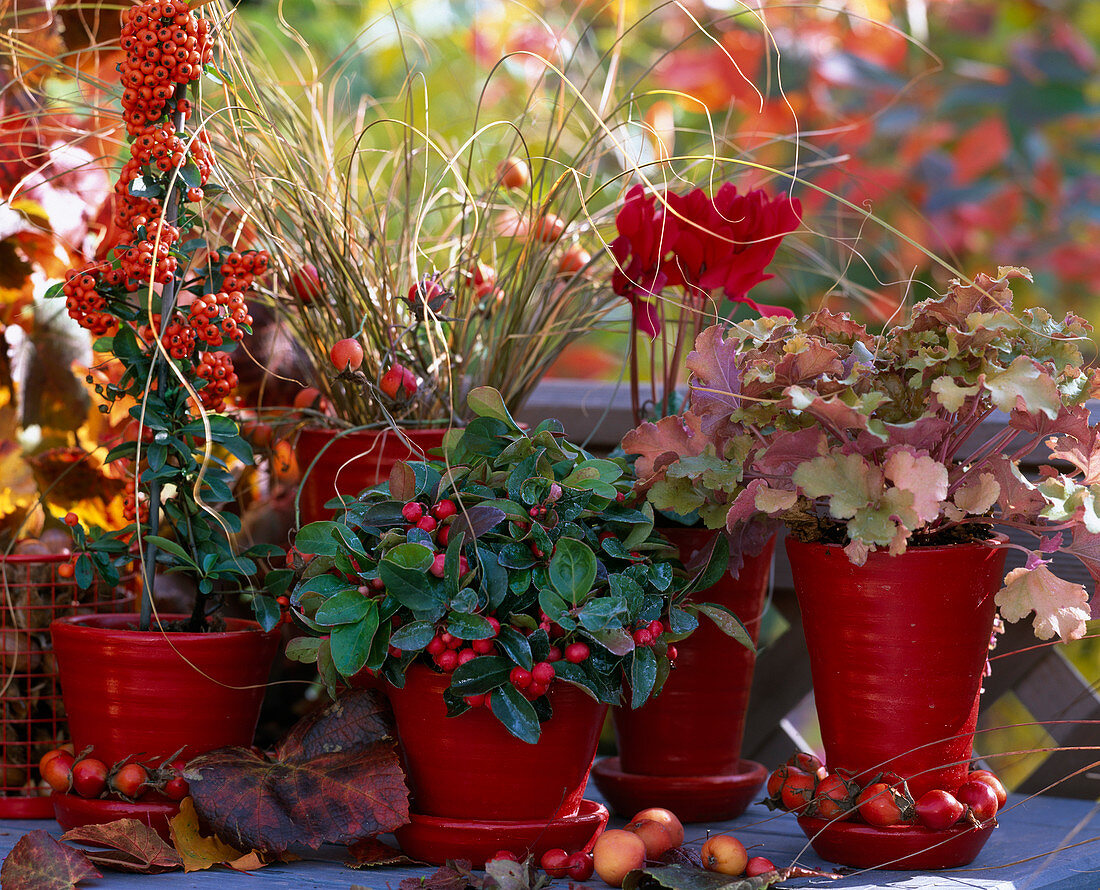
<point x="1043" y="843"/>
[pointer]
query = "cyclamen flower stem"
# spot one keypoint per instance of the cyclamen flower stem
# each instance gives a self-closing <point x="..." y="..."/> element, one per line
<point x="168" y="305"/>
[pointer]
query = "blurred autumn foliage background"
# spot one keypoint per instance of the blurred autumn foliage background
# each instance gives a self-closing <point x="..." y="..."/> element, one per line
<point x="925" y="138"/>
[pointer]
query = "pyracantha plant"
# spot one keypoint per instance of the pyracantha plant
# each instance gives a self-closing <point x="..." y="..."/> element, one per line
<point x="513" y="563"/>
<point x="167" y="309"/>
<point x="879" y="441"/>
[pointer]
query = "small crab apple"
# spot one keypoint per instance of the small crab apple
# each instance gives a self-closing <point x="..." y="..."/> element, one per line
<point x="616" y="853"/>
<point x="130" y="780"/>
<point x="665" y="817"/>
<point x="580" y="866"/>
<point x="724" y="854"/>
<point x="657" y="837"/>
<point x="502" y="855"/>
<point x="573" y="260"/>
<point x="346" y="354"/>
<point x="984" y="775"/>
<point x="89" y="777"/>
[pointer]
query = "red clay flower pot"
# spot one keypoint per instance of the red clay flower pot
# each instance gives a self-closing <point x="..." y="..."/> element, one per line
<point x="148" y="694"/>
<point x="351" y="462"/>
<point x="897" y="650"/>
<point x="682" y="749"/>
<point x="469" y="774"/>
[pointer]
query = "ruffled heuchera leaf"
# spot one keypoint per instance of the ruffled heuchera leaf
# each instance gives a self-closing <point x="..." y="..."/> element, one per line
<point x="921" y="475"/>
<point x="1024" y="384"/>
<point x="1060" y="606"/>
<point x="1082" y="450"/>
<point x="1086" y="547"/>
<point x="335" y="779"/>
<point x="38" y="862"/>
<point x="847" y="480"/>
<point x="1067" y="500"/>
<point x="951" y="394"/>
<point x="126" y="845"/>
<point x="659" y="444"/>
<point x="715" y="380"/>
<point x="977" y="494"/>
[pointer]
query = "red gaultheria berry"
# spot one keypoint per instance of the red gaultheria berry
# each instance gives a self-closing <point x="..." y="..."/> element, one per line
<point x="437" y="565"/>
<point x="436" y="646"/>
<point x="483" y="647"/>
<point x="447" y="660"/>
<point x="427" y="523"/>
<point x="465" y="655"/>
<point x="494" y="623"/>
<point x="412" y="511"/>
<point x="444" y="509"/>
<point x="542" y="673"/>
<point x="520" y="677"/>
<point x="577" y="652"/>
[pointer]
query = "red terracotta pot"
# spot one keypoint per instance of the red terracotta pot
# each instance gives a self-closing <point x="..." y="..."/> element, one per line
<point x="692" y="731"/>
<point x="129" y="692"/>
<point x="470" y="767"/>
<point x="349" y="463"/>
<point x="897" y="649"/>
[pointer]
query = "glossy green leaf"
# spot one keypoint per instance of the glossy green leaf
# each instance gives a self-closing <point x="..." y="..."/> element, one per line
<point x="727" y="622"/>
<point x="344" y="608"/>
<point x="515" y="646"/>
<point x="481" y="674"/>
<point x="413" y="636"/>
<point x="572" y="569"/>
<point x="643" y="674"/>
<point x="515" y="712"/>
<point x="350" y="643"/>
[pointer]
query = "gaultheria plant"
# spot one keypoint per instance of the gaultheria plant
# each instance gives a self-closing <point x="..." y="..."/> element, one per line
<point x="877" y="441"/>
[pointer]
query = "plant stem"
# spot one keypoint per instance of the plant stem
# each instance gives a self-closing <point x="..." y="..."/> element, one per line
<point x="167" y="307"/>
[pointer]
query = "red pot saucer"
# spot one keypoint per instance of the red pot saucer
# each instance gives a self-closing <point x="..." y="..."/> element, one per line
<point x="73" y="811"/>
<point x="692" y="798"/>
<point x="897" y="848"/>
<point x="435" y="839"/>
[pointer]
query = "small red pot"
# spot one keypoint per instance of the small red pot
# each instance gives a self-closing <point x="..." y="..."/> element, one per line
<point x="147" y="693"/>
<point x="471" y="767"/>
<point x="897" y="650"/>
<point x="681" y="749"/>
<point x="351" y="462"/>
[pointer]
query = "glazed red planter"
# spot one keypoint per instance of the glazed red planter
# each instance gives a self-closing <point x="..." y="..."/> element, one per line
<point x="130" y="692"/>
<point x="695" y="726"/>
<point x="352" y="462"/>
<point x="690" y="734"/>
<point x="471" y="767"/>
<point x="897" y="649"/>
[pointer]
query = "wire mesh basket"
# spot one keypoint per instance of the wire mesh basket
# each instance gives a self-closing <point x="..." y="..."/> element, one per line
<point x="32" y="716"/>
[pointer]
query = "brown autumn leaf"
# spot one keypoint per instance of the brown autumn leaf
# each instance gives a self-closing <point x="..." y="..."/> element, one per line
<point x="336" y="778"/>
<point x="39" y="862"/>
<point x="128" y="845"/>
<point x="198" y="851"/>
<point x="371" y="852"/>
<point x="455" y="875"/>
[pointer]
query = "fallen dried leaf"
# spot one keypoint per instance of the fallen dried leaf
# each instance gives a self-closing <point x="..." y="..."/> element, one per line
<point x="199" y="852"/>
<point x="129" y="845"/>
<point x="39" y="862"/>
<point x="370" y="852"/>
<point x="337" y="778"/>
<point x="503" y="874"/>
<point x="455" y="875"/>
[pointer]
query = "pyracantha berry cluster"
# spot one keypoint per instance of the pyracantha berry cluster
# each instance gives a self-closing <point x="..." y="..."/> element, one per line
<point x="166" y="47"/>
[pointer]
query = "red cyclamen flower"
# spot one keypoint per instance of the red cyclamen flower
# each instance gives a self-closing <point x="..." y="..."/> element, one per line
<point x="646" y="235"/>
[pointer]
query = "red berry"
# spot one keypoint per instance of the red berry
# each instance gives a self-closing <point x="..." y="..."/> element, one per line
<point x="447" y="661"/>
<point x="580" y="866"/>
<point x="494" y="623"/>
<point x="396" y="381"/>
<point x="476" y="701"/>
<point x="451" y="641"/>
<point x="437" y="565"/>
<point x="56" y="767"/>
<point x="507" y="855"/>
<point x="520" y="677"/>
<point x="483" y="647"/>
<point x="71" y="519"/>
<point x="427" y="523"/>
<point x="555" y="863"/>
<point x="89" y="777"/>
<point x="535" y="690"/>
<point x="656" y="628"/>
<point x="642" y="637"/>
<point x="177" y="788"/>
<point x="306" y="283"/>
<point x="444" y="536"/>
<point x="412" y="511"/>
<point x="514" y="173"/>
<point x="346" y="355"/>
<point x="554" y="654"/>
<point x="436" y="646"/>
<point x="444" y="509"/>
<point x="130" y="780"/>
<point x="466" y="655"/>
<point x="672" y="653"/>
<point x="758" y="865"/>
<point x="543" y="673"/>
<point x="577" y="652"/>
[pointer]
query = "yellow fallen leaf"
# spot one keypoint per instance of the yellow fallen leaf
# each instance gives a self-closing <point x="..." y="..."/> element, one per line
<point x="200" y="852"/>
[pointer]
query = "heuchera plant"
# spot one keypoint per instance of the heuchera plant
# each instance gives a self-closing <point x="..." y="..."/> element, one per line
<point x="877" y="441"/>
<point x="514" y="563"/>
<point x="168" y="309"/>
